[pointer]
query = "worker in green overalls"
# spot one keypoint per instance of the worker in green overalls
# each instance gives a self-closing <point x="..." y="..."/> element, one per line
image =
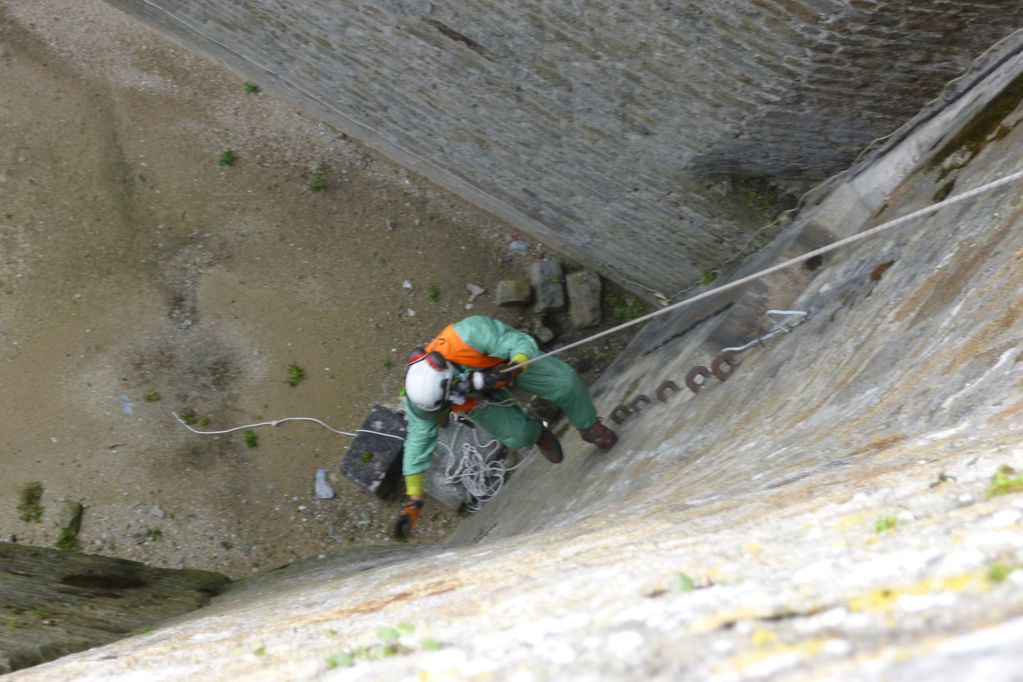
<point x="458" y="369"/>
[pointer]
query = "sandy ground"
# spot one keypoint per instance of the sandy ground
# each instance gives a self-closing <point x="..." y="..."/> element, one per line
<point x="133" y="264"/>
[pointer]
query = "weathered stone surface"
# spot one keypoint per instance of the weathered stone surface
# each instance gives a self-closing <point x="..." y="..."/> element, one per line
<point x="641" y="138"/>
<point x="548" y="286"/>
<point x="584" y="292"/>
<point x="54" y="603"/>
<point x="514" y="292"/>
<point x="374" y="461"/>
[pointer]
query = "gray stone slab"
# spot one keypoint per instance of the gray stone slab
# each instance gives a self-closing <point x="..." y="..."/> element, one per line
<point x="514" y="292"/>
<point x="548" y="286"/>
<point x="584" y="291"/>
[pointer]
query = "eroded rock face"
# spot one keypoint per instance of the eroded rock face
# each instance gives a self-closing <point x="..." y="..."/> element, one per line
<point x="55" y="603"/>
<point x="846" y="504"/>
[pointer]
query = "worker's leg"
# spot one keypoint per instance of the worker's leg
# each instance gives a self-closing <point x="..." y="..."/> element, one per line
<point x="508" y="424"/>
<point x="554" y="380"/>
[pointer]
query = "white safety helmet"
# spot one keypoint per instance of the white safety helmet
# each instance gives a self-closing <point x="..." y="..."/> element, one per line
<point x="428" y="380"/>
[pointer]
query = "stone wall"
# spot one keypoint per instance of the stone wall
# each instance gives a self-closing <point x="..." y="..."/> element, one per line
<point x="644" y="139"/>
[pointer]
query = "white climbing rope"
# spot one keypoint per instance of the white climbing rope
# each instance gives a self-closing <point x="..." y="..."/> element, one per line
<point x="275" y="422"/>
<point x="780" y="266"/>
<point x="476" y="469"/>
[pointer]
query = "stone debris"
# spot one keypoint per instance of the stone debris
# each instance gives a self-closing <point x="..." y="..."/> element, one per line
<point x="584" y="292"/>
<point x="324" y="490"/>
<point x="513" y="292"/>
<point x="156" y="512"/>
<point x="548" y="286"/>
<point x="70" y="516"/>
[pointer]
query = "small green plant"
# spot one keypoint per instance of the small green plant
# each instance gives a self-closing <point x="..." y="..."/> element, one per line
<point x="151" y="397"/>
<point x="996" y="573"/>
<point x="433" y="293"/>
<point x="154" y="534"/>
<point x="40" y="613"/>
<point x="367" y="456"/>
<point x="342" y="659"/>
<point x="189" y="416"/>
<point x="318" y="181"/>
<point x="428" y="644"/>
<point x="681" y="583"/>
<point x="708" y="276"/>
<point x="387" y="363"/>
<point x="30" y="505"/>
<point x="251" y="439"/>
<point x="251" y="87"/>
<point x="295" y="374"/>
<point x="144" y="631"/>
<point x="259" y="650"/>
<point x="885" y="524"/>
<point x="13" y="624"/>
<point x="623" y="307"/>
<point x="1005" y="481"/>
<point x="67" y="541"/>
<point x="227" y="158"/>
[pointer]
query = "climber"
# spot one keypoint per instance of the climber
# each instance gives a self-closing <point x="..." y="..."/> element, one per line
<point x="459" y="371"/>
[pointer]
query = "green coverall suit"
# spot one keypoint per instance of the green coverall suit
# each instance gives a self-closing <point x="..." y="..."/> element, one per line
<point x="549" y="378"/>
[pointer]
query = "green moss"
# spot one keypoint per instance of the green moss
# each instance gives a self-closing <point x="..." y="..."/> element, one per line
<point x="624" y="307"/>
<point x="885" y="524"/>
<point x="151" y="397"/>
<point x="30" y="505"/>
<point x="67" y="541"/>
<point x="318" y="180"/>
<point x="227" y="158"/>
<point x="189" y="416"/>
<point x="1005" y="481"/>
<point x="251" y="439"/>
<point x="251" y="87"/>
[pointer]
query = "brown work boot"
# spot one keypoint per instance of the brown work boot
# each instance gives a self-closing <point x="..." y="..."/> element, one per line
<point x="598" y="434"/>
<point x="549" y="446"/>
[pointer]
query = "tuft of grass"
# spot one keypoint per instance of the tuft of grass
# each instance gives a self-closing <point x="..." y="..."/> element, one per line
<point x="367" y="456"/>
<point x="154" y="534"/>
<point x="387" y="363"/>
<point x="143" y="631"/>
<point x="227" y="158"/>
<point x="251" y="439"/>
<point x="251" y="87"/>
<point x="30" y="505"/>
<point x="996" y="573"/>
<point x="433" y="293"/>
<point x="708" y="276"/>
<point x="67" y="541"/>
<point x="189" y="416"/>
<point x="682" y="583"/>
<point x="295" y="374"/>
<point x="318" y="181"/>
<point x="40" y="613"/>
<point x="151" y="397"/>
<point x="1005" y="481"/>
<point x="342" y="659"/>
<point x="885" y="524"/>
<point x="259" y="650"/>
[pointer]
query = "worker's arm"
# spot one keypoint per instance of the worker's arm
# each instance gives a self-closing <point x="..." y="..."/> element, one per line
<point x="420" y="442"/>
<point x="497" y="339"/>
